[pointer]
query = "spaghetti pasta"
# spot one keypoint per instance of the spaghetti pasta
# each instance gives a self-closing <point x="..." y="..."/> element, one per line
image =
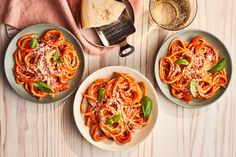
<point x="119" y="113"/>
<point x="187" y="66"/>
<point x="45" y="65"/>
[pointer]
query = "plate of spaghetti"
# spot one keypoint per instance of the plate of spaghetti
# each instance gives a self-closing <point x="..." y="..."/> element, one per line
<point x="193" y="68"/>
<point x="43" y="61"/>
<point x="115" y="108"/>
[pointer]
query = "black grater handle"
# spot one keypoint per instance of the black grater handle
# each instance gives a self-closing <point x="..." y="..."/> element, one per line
<point x="124" y="53"/>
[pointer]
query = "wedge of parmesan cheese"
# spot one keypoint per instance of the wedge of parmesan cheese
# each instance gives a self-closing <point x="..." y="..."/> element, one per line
<point x="96" y="13"/>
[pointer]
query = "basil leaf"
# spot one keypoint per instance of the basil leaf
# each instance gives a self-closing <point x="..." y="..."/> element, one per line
<point x="219" y="66"/>
<point x="56" y="58"/>
<point x="58" y="61"/>
<point x="146" y="107"/>
<point x="101" y="94"/>
<point x="113" y="120"/>
<point x="116" y="118"/>
<point x="193" y="85"/>
<point x="33" y="43"/>
<point x="182" y="62"/>
<point x="109" y="121"/>
<point x="43" y="86"/>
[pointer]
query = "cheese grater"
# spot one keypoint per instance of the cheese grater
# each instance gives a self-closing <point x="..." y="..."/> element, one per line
<point x="117" y="32"/>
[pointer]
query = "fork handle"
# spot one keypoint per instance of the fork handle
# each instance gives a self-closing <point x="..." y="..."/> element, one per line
<point x="125" y="46"/>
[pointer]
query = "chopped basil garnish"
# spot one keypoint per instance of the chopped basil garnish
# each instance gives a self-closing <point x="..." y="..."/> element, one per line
<point x="219" y="66"/>
<point x="56" y="58"/>
<point x="33" y="43"/>
<point x="113" y="120"/>
<point x="116" y="118"/>
<point x="146" y="106"/>
<point x="182" y="62"/>
<point x="101" y="94"/>
<point x="109" y="121"/>
<point x="193" y="85"/>
<point x="43" y="86"/>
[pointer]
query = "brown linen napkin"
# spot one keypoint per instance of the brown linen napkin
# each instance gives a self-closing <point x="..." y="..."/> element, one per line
<point x="23" y="13"/>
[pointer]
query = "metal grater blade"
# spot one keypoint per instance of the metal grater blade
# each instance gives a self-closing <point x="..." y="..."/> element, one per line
<point x="116" y="32"/>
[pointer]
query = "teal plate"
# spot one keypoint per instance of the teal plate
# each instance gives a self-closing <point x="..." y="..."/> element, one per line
<point x="9" y="62"/>
<point x="187" y="35"/>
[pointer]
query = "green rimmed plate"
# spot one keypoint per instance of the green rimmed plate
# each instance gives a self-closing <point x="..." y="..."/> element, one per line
<point x="9" y="63"/>
<point x="187" y="35"/>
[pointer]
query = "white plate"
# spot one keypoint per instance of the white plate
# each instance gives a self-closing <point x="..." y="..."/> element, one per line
<point x="140" y="134"/>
